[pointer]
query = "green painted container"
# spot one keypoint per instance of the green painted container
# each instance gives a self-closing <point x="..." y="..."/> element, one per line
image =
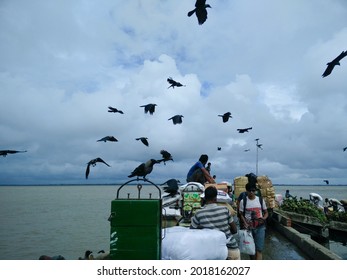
<point x="135" y="229"/>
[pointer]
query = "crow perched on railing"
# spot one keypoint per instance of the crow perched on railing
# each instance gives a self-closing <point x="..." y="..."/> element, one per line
<point x="144" y="169"/>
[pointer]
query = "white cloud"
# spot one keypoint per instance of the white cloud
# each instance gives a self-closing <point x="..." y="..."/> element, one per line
<point x="64" y="63"/>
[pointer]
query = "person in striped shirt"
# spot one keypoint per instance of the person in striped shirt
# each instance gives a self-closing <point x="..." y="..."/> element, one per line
<point x="213" y="216"/>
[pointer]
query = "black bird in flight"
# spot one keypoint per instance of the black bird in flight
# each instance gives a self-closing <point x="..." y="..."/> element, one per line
<point x="243" y="130"/>
<point x="260" y="146"/>
<point x="176" y="119"/>
<point x="200" y="11"/>
<point x="247" y="150"/>
<point x="166" y="156"/>
<point x="4" y="153"/>
<point x="143" y="140"/>
<point x="149" y="108"/>
<point x="326" y="181"/>
<point x="93" y="163"/>
<point x="108" y="138"/>
<point x="173" y="83"/>
<point x="171" y="186"/>
<point x="225" y="116"/>
<point x="333" y="63"/>
<point x="344" y="149"/>
<point x="143" y="169"/>
<point x="114" y="110"/>
<point x="219" y="148"/>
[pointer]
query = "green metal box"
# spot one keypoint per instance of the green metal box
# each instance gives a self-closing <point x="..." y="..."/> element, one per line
<point x="135" y="229"/>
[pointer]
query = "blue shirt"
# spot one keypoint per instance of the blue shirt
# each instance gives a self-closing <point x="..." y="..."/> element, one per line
<point x="194" y="167"/>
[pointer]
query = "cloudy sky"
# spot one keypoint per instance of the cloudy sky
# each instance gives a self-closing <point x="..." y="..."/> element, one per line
<point x="64" y="62"/>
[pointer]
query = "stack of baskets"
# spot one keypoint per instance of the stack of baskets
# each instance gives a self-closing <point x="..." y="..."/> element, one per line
<point x="264" y="185"/>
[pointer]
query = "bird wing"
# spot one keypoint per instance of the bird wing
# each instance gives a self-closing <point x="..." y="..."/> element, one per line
<point x="88" y="170"/>
<point x="144" y="141"/>
<point x="328" y="70"/>
<point x="151" y="109"/>
<point x="138" y="171"/>
<point x="170" y="80"/>
<point x="146" y="107"/>
<point x="101" y="160"/>
<point x="340" y="56"/>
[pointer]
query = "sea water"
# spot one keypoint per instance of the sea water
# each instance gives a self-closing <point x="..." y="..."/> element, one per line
<point x="68" y="220"/>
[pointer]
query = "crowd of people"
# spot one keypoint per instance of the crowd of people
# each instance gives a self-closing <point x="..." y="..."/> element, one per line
<point x="251" y="211"/>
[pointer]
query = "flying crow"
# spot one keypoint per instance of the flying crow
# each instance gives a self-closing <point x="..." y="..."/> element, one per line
<point x="93" y="163"/>
<point x="143" y="140"/>
<point x="200" y="11"/>
<point x="243" y="130"/>
<point x="219" y="148"/>
<point x="333" y="63"/>
<point x="149" y="108"/>
<point x="326" y="181"/>
<point x="176" y="119"/>
<point x="344" y="149"/>
<point x="225" y="116"/>
<point x="166" y="156"/>
<point x="260" y="146"/>
<point x="6" y="152"/>
<point x="114" y="110"/>
<point x="108" y="138"/>
<point x="143" y="169"/>
<point x="173" y="83"/>
<point x="247" y="150"/>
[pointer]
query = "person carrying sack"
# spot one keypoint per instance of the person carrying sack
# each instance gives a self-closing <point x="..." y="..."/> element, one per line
<point x="253" y="214"/>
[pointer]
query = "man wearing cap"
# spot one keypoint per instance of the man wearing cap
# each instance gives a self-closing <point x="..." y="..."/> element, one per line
<point x="253" y="217"/>
<point x="214" y="216"/>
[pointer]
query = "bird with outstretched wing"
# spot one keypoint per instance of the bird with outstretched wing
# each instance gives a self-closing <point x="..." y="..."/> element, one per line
<point x="93" y="162"/>
<point x="200" y="11"/>
<point x="143" y="140"/>
<point x="108" y="138"/>
<point x="243" y="130"/>
<point x="149" y="108"/>
<point x="177" y="119"/>
<point x="4" y="153"/>
<point x="225" y="116"/>
<point x="166" y="156"/>
<point x="114" y="110"/>
<point x="173" y="83"/>
<point x="333" y="63"/>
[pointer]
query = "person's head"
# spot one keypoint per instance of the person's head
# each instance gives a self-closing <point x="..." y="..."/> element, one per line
<point x="203" y="159"/>
<point x="211" y="194"/>
<point x="287" y="191"/>
<point x="251" y="189"/>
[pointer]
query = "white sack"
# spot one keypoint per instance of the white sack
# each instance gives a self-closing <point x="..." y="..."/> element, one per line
<point x="181" y="243"/>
